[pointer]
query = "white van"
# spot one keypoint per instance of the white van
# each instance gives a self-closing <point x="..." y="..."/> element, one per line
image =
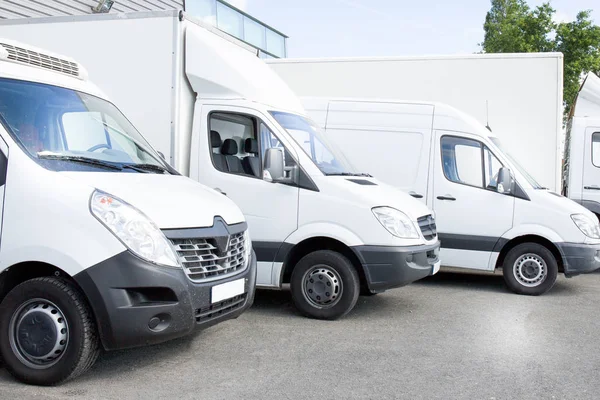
<point x="490" y="212"/>
<point x="104" y="245"/>
<point x="581" y="166"/>
<point x="225" y="119"/>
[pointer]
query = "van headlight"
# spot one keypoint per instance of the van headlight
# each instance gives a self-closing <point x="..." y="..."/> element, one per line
<point x="587" y="225"/>
<point x="396" y="222"/>
<point x="247" y="246"/>
<point x="136" y="231"/>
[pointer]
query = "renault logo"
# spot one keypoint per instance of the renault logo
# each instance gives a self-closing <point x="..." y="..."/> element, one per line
<point x="222" y="243"/>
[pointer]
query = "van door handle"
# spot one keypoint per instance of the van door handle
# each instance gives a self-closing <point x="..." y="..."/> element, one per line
<point x="220" y="191"/>
<point x="593" y="187"/>
<point x="416" y="195"/>
<point x="446" y="197"/>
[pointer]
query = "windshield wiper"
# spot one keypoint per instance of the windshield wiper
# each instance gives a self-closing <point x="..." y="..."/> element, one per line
<point x="79" y="159"/>
<point x="145" y="168"/>
<point x="348" y="174"/>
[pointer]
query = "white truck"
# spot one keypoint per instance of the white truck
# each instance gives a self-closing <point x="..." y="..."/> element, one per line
<point x="104" y="245"/>
<point x="581" y="166"/>
<point x="225" y="119"/>
<point x="490" y="213"/>
<point x="518" y="95"/>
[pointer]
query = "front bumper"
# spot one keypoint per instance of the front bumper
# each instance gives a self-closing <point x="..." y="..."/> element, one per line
<point x="388" y="267"/>
<point x="579" y="258"/>
<point x="137" y="303"/>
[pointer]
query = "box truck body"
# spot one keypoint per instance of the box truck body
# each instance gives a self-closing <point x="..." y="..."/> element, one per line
<point x="224" y="118"/>
<point x="581" y="168"/>
<point x="519" y="95"/>
<point x="97" y="228"/>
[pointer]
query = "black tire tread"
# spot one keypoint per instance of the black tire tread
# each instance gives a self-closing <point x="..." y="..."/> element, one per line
<point x="530" y="247"/>
<point x="355" y="283"/>
<point x="91" y="342"/>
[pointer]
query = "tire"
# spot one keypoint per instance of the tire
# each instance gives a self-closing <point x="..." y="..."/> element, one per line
<point x="530" y="269"/>
<point x="56" y="309"/>
<point x="334" y="289"/>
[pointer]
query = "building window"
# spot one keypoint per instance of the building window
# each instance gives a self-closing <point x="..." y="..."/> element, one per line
<point x="254" y="33"/>
<point x="205" y="10"/>
<point x="275" y="43"/>
<point x="240" y="25"/>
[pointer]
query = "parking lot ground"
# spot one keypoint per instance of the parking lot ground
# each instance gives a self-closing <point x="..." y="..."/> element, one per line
<point x="447" y="337"/>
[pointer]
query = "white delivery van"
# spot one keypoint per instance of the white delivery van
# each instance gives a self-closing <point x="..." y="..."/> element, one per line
<point x="103" y="243"/>
<point x="490" y="213"/>
<point x="520" y="96"/>
<point x="225" y="119"/>
<point x="581" y="165"/>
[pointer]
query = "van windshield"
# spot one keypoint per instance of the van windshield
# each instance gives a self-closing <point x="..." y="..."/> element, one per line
<point x="63" y="129"/>
<point x="327" y="157"/>
<point x="518" y="166"/>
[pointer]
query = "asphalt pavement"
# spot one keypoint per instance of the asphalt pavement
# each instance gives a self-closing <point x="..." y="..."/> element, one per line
<point x="452" y="336"/>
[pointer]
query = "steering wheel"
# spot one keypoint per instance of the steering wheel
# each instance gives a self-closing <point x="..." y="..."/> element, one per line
<point x="98" y="147"/>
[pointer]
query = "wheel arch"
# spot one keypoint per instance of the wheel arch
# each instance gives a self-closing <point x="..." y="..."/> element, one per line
<point x="512" y="243"/>
<point x="312" y="244"/>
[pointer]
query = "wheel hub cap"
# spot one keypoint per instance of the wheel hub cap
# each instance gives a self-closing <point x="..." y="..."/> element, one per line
<point x="530" y="270"/>
<point x="322" y="286"/>
<point x="38" y="333"/>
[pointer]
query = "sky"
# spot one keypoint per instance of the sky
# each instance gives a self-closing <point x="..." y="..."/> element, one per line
<point x="346" y="28"/>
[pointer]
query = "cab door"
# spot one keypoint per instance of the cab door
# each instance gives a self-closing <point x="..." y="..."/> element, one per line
<point x="591" y="170"/>
<point x="232" y="142"/>
<point x="471" y="215"/>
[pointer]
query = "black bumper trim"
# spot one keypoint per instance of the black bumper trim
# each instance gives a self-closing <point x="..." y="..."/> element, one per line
<point x="579" y="258"/>
<point x="125" y="294"/>
<point x="389" y="267"/>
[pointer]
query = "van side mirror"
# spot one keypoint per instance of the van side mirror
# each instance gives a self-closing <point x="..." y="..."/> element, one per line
<point x="161" y="155"/>
<point x="505" y="181"/>
<point x="274" y="165"/>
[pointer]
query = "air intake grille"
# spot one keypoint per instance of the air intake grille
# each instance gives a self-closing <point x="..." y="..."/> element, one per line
<point x="41" y="60"/>
<point x="202" y="260"/>
<point x="427" y="226"/>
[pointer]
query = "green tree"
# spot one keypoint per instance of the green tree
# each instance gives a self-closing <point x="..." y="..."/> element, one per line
<point x="511" y="26"/>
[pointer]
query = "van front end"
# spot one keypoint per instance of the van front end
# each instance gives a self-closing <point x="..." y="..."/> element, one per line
<point x="139" y="303"/>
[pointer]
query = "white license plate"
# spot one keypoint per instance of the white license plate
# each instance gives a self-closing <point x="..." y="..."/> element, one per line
<point x="227" y="290"/>
<point x="436" y="267"/>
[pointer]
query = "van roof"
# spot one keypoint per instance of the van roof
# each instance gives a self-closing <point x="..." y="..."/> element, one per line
<point x="24" y="62"/>
<point x="587" y="103"/>
<point x="446" y="116"/>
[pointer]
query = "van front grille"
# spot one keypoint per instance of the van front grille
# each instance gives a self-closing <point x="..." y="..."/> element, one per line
<point x="27" y="56"/>
<point x="428" y="227"/>
<point x="202" y="259"/>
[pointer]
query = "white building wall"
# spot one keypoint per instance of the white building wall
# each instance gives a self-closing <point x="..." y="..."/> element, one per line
<point x="47" y="8"/>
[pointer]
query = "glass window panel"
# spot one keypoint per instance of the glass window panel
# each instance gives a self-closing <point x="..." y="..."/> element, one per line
<point x="491" y="166"/>
<point x="461" y="160"/>
<point x="205" y="10"/>
<point x="275" y="43"/>
<point x="254" y="33"/>
<point x="229" y="20"/>
<point x="596" y="149"/>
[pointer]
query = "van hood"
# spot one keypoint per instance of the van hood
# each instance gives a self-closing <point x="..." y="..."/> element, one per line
<point x="376" y="193"/>
<point x="555" y="201"/>
<point x="171" y="201"/>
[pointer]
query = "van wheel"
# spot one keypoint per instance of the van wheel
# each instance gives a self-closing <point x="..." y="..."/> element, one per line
<point x="324" y="285"/>
<point x="48" y="334"/>
<point x="530" y="269"/>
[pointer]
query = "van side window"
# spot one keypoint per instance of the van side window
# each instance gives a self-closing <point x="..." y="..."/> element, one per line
<point x="469" y="162"/>
<point x="491" y="167"/>
<point x="461" y="160"/>
<point x="239" y="143"/>
<point x="596" y="149"/>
